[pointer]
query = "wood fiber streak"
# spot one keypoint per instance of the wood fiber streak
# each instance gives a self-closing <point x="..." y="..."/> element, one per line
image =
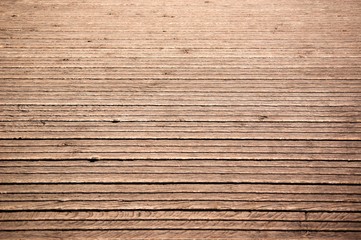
<point x="193" y="119"/>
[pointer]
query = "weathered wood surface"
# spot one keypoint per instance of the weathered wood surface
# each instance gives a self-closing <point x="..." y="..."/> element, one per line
<point x="153" y="119"/>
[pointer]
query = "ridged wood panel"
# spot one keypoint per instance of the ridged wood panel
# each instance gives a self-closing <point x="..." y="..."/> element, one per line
<point x="153" y="119"/>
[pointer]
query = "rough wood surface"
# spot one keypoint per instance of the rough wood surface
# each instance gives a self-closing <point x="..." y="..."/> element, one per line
<point x="192" y="119"/>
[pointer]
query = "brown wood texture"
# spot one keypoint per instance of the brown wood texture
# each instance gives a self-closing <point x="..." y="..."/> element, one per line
<point x="192" y="119"/>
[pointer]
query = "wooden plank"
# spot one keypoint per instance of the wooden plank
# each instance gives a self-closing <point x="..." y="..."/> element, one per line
<point x="158" y="102"/>
<point x="115" y="128"/>
<point x="244" y="127"/>
<point x="237" y="85"/>
<point x="178" y="169"/>
<point x="180" y="178"/>
<point x="94" y="156"/>
<point x="65" y="135"/>
<point x="179" y="188"/>
<point x="206" y="163"/>
<point x="179" y="205"/>
<point x="174" y="149"/>
<point x="355" y="198"/>
<point x="179" y="234"/>
<point x="151" y="215"/>
<point x="185" y="143"/>
<point x="181" y="215"/>
<point x="179" y="225"/>
<point x="180" y="135"/>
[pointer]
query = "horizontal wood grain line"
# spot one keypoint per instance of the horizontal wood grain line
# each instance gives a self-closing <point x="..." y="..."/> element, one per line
<point x="180" y="178"/>
<point x="251" y="73"/>
<point x="184" y="143"/>
<point x="114" y="125"/>
<point x="260" y="197"/>
<point x="179" y="156"/>
<point x="172" y="116"/>
<point x="74" y="131"/>
<point x="267" y="33"/>
<point x="176" y="102"/>
<point x="154" y="43"/>
<point x="206" y="9"/>
<point x="176" y="79"/>
<point x="172" y="215"/>
<point x="160" y="93"/>
<point x="189" y="53"/>
<point x="173" y="50"/>
<point x="134" y="146"/>
<point x="257" y="116"/>
<point x="180" y="205"/>
<point x="116" y="26"/>
<point x="210" y="72"/>
<point x="227" y="88"/>
<point x="108" y="135"/>
<point x="177" y="234"/>
<point x="177" y="67"/>
<point x="166" y="124"/>
<point x="72" y="36"/>
<point x="182" y="80"/>
<point x="162" y="109"/>
<point x="98" y="86"/>
<point x="60" y="188"/>
<point x="111" y="89"/>
<point x="191" y="112"/>
<point x="149" y="45"/>
<point x="178" y="169"/>
<point x="182" y="215"/>
<point x="184" y="9"/>
<point x="180" y="224"/>
<point x="204" y="163"/>
<point x="181" y="149"/>
<point x="177" y="11"/>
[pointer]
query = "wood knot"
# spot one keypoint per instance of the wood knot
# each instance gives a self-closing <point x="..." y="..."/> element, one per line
<point x="262" y="117"/>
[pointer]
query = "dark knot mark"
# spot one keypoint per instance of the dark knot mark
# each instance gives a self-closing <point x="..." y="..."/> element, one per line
<point x="262" y="117"/>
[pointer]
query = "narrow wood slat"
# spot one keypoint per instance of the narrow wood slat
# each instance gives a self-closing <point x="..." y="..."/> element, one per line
<point x="161" y="215"/>
<point x="179" y="188"/>
<point x="179" y="169"/>
<point x="179" y="205"/>
<point x="184" y="143"/>
<point x="115" y="128"/>
<point x="180" y="224"/>
<point x="181" y="215"/>
<point x="177" y="102"/>
<point x="181" y="149"/>
<point x="205" y="163"/>
<point x="180" y="135"/>
<point x="169" y="155"/>
<point x="108" y="126"/>
<point x="178" y="234"/>
<point x="175" y="83"/>
<point x="285" y="197"/>
<point x="180" y="178"/>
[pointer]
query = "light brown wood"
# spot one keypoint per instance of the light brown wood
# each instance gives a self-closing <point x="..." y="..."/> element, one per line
<point x="179" y="234"/>
<point x="182" y="188"/>
<point x="186" y="205"/>
<point x="192" y="119"/>
<point x="179" y="224"/>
